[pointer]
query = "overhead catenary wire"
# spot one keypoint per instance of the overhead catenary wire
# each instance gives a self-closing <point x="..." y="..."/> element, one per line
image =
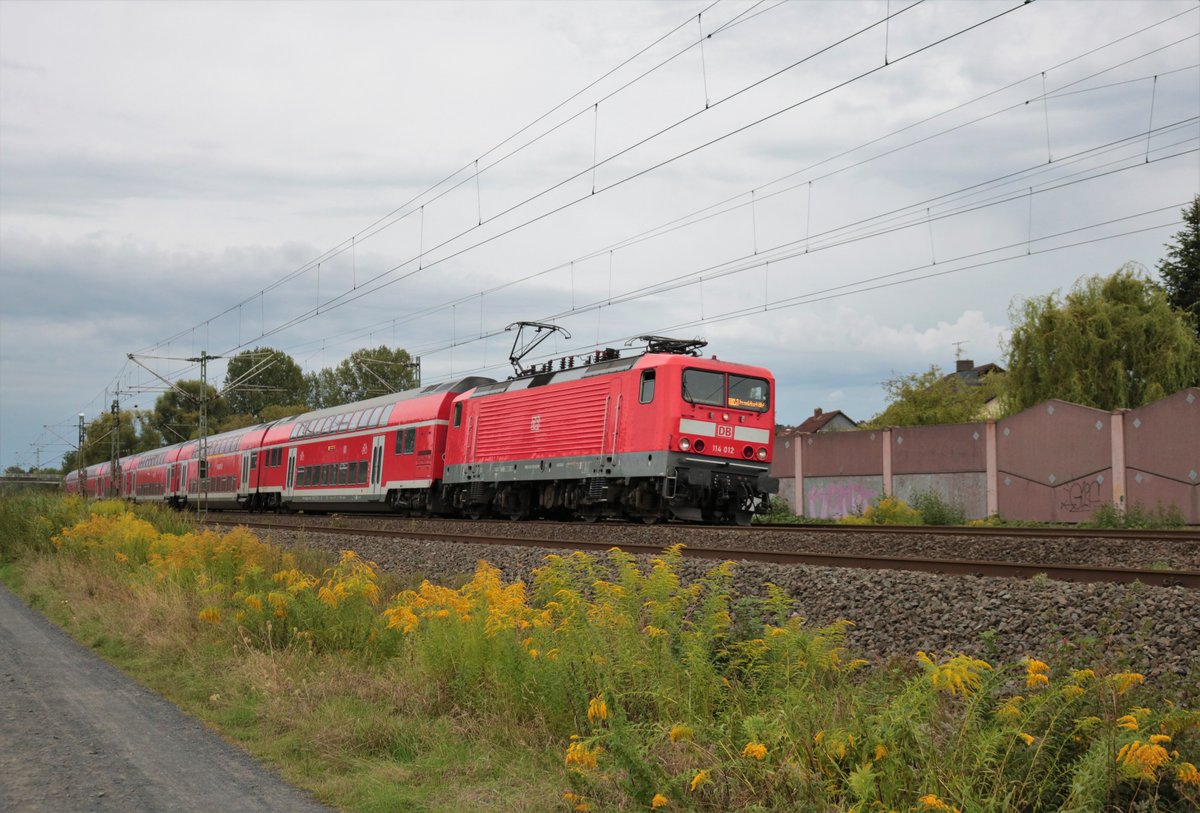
<point x="349" y="296"/>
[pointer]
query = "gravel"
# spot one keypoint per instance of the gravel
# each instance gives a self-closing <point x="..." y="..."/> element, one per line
<point x="1170" y="554"/>
<point x="1153" y="630"/>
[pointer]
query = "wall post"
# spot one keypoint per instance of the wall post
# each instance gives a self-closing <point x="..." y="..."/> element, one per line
<point x="1117" y="426"/>
<point x="887" y="462"/>
<point x="993" y="470"/>
<point x="797" y="452"/>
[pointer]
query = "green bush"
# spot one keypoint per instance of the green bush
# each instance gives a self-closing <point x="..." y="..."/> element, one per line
<point x="937" y="511"/>
<point x="1137" y="516"/>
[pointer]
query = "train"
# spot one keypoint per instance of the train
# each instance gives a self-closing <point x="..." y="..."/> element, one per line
<point x="660" y="434"/>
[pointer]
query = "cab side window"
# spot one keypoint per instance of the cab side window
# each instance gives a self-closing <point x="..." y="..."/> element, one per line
<point x="646" y="393"/>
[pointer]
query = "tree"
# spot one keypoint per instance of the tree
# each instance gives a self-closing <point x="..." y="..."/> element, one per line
<point x="932" y="397"/>
<point x="177" y="416"/>
<point x="1180" y="269"/>
<point x="1113" y="342"/>
<point x="366" y="373"/>
<point x="281" y="381"/>
<point x="137" y="433"/>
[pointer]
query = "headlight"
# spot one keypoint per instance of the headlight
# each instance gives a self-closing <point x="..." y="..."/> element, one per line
<point x="762" y="454"/>
<point x="685" y="444"/>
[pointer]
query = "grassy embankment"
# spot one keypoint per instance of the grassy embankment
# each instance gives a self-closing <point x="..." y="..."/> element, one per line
<point x="591" y="689"/>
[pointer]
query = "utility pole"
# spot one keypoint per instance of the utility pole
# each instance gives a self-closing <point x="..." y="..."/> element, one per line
<point x="79" y="457"/>
<point x="114" y="470"/>
<point x="202" y="454"/>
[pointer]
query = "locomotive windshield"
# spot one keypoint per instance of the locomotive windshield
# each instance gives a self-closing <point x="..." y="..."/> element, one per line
<point x="732" y="391"/>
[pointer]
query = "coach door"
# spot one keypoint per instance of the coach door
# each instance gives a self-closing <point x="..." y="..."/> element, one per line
<point x="377" y="465"/>
<point x="291" y="472"/>
<point x="244" y="490"/>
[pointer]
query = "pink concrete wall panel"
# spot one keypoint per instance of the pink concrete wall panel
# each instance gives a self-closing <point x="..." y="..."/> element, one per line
<point x="1054" y="462"/>
<point x="1162" y="453"/>
<point x="842" y="453"/>
<point x="836" y="497"/>
<point x="939" y="449"/>
<point x="783" y="461"/>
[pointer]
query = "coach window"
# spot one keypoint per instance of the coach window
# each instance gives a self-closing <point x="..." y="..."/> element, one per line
<point x="647" y="392"/>
<point x="458" y="414"/>
<point x="342" y="469"/>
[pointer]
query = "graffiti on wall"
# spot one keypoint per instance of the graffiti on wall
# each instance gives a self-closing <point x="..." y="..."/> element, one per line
<point x="1080" y="496"/>
<point x="837" y="499"/>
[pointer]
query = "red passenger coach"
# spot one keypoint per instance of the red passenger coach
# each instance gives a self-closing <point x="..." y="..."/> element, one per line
<point x="651" y="437"/>
<point x="369" y="455"/>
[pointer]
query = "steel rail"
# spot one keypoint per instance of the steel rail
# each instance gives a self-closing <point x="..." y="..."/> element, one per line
<point x="1070" y="573"/>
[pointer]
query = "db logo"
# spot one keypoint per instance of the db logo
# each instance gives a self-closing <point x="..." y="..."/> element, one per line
<point x="724" y="431"/>
<point x="535" y="423"/>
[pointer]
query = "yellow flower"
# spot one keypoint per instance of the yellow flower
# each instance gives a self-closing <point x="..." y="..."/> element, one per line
<point x="1142" y="759"/>
<point x="931" y="802"/>
<point x="679" y="731"/>
<point x="1124" y="681"/>
<point x="597" y="709"/>
<point x="254" y="603"/>
<point x="210" y="614"/>
<point x="1028" y="738"/>
<point x="754" y="749"/>
<point x="122" y="557"/>
<point x="881" y="751"/>
<point x="1159" y="739"/>
<point x="1011" y="709"/>
<point x="959" y="675"/>
<point x="1082" y="675"/>
<point x="1072" y="691"/>
<point x="699" y="779"/>
<point x="1036" y="673"/>
<point x="581" y="756"/>
<point x="1128" y="722"/>
<point x="1186" y="773"/>
<point x="659" y="801"/>
<point x="654" y="632"/>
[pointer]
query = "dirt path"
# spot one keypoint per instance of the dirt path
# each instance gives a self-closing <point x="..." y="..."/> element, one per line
<point x="77" y="735"/>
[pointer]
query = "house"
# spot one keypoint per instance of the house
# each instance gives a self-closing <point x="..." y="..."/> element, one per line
<point x="973" y="376"/>
<point x="822" y="421"/>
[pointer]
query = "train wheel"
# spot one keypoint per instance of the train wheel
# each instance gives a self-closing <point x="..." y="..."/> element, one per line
<point x="651" y="520"/>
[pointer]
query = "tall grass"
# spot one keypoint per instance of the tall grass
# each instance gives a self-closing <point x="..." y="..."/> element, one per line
<point x="656" y="693"/>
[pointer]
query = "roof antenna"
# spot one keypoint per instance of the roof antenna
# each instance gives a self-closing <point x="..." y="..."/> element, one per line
<point x="958" y="351"/>
<point x="541" y="332"/>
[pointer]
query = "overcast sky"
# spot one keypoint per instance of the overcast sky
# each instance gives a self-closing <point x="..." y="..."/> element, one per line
<point x="808" y="185"/>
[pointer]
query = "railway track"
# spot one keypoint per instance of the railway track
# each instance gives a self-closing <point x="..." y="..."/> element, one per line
<point x="1062" y="572"/>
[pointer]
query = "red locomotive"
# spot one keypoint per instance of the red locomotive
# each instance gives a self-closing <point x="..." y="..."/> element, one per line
<point x="653" y="436"/>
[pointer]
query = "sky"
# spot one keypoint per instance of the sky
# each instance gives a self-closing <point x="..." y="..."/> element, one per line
<point x="841" y="192"/>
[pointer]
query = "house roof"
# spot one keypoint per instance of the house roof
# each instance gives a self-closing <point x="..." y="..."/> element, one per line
<point x="819" y="419"/>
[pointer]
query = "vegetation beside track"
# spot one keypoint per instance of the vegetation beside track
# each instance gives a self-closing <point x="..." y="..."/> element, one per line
<point x="930" y="508"/>
<point x="591" y="689"/>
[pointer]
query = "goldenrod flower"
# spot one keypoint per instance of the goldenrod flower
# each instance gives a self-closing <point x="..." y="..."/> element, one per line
<point x="1072" y="691"/>
<point x="579" y="755"/>
<point x="121" y="557"/>
<point x="930" y="801"/>
<point x="1124" y="681"/>
<point x="881" y="751"/>
<point x="755" y="750"/>
<point x="1186" y="773"/>
<point x="699" y="779"/>
<point x="597" y="709"/>
<point x="1027" y="738"/>
<point x="653" y="631"/>
<point x="959" y="675"/>
<point x="1128" y="722"/>
<point x="1142" y="759"/>
<point x="679" y="731"/>
<point x="659" y="801"/>
<point x="210" y="614"/>
<point x="254" y="603"/>
<point x="1036" y="673"/>
<point x="1011" y="709"/>
<point x="1159" y="739"/>
<point x="1083" y="675"/>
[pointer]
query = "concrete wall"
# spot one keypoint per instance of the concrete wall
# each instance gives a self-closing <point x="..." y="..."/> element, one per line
<point x="1056" y="462"/>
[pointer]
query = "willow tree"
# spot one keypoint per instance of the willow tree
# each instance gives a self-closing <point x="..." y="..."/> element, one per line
<point x="1112" y="342"/>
